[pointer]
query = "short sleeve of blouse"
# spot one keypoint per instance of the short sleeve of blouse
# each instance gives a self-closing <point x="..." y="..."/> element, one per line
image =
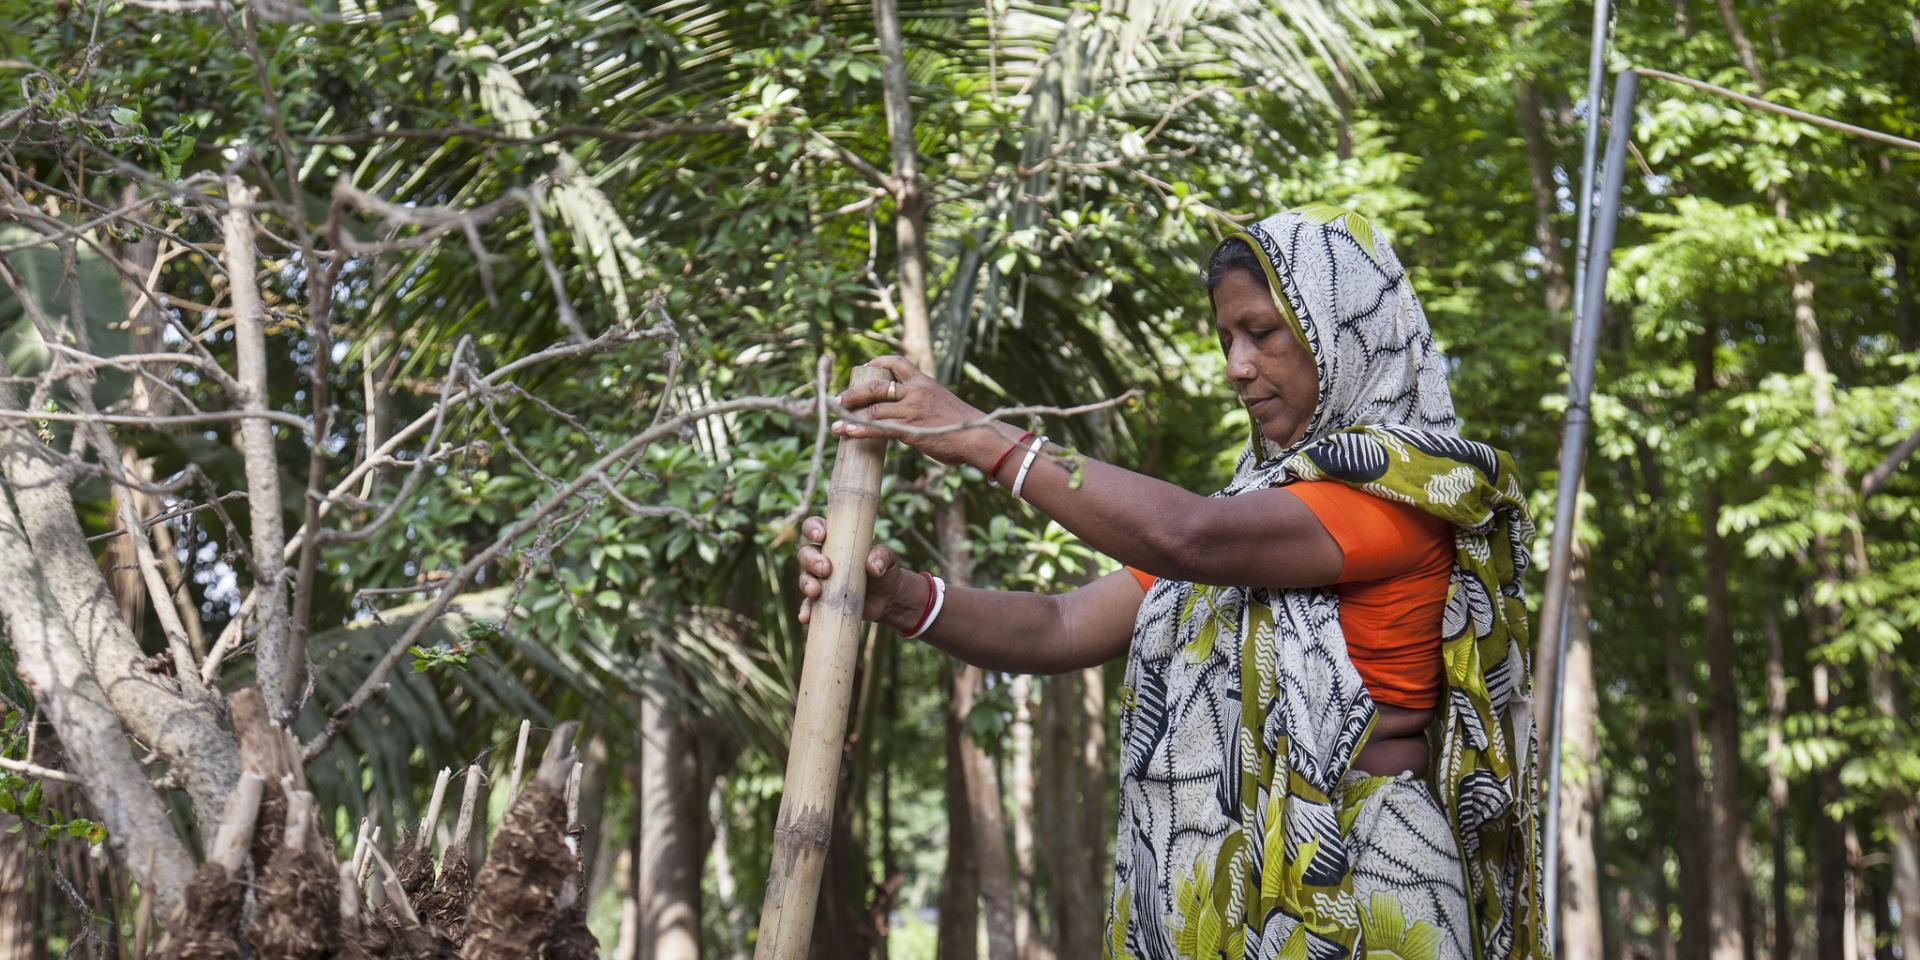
<point x="1379" y="538"/>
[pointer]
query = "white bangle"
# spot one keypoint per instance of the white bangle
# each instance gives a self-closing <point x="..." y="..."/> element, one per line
<point x="1020" y="479"/>
<point x="939" y="600"/>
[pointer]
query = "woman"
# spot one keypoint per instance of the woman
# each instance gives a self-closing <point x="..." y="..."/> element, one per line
<point x="1326" y="731"/>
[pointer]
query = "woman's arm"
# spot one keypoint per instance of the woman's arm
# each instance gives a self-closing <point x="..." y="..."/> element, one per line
<point x="1266" y="538"/>
<point x="1031" y="632"/>
<point x="1000" y="630"/>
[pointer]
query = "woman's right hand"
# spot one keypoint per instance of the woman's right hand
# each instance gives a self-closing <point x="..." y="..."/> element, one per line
<point x="895" y="595"/>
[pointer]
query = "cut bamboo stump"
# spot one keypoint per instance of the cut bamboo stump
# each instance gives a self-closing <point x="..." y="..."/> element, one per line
<point x="801" y="835"/>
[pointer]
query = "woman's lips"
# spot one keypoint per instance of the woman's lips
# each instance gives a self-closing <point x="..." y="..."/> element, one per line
<point x="1255" y="404"/>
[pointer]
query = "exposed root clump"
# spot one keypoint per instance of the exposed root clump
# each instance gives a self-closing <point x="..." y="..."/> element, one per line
<point x="292" y="891"/>
<point x="526" y="903"/>
<point x="528" y="869"/>
<point x="210" y="920"/>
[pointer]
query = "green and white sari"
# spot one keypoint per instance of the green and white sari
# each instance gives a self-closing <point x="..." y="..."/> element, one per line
<point x="1245" y="833"/>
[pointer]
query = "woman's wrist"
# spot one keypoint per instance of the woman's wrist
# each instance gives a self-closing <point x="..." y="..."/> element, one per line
<point x="989" y="446"/>
<point x="911" y="594"/>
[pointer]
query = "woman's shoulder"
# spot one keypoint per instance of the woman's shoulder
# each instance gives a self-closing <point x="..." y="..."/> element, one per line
<point x="1378" y="535"/>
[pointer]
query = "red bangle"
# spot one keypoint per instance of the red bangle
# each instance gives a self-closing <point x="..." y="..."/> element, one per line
<point x="995" y="471"/>
<point x="924" y="614"/>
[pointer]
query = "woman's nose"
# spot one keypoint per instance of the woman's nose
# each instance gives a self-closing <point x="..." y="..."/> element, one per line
<point x="1238" y="366"/>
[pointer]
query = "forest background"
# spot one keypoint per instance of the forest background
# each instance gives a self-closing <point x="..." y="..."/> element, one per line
<point x="691" y="203"/>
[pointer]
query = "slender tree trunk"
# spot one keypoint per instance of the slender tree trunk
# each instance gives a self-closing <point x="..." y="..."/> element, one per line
<point x="1884" y="934"/>
<point x="982" y="796"/>
<point x="960" y="888"/>
<point x="1027" y="942"/>
<point x="1903" y="310"/>
<point x="1689" y="838"/>
<point x="1057" y="778"/>
<point x="98" y="751"/>
<point x="1664" y="947"/>
<point x="1094" y="815"/>
<point x="626" y="944"/>
<point x="724" y="885"/>
<point x="16" y="908"/>
<point x="1726" y="818"/>
<point x="164" y="714"/>
<point x="1777" y="796"/>
<point x="1546" y="230"/>
<point x="670" y="804"/>
<point x="279" y="670"/>
<point x="1581" y="935"/>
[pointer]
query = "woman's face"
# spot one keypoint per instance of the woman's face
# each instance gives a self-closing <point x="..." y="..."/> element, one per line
<point x="1269" y="368"/>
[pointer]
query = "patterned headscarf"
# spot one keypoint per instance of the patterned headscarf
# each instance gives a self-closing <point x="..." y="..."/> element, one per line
<point x="1241" y="710"/>
<point x="1346" y="296"/>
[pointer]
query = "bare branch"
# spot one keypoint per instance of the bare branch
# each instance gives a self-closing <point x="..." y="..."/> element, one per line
<point x="649" y="131"/>
<point x="36" y="770"/>
<point x="1877" y="478"/>
<point x="789" y="524"/>
<point x="162" y="420"/>
<point x="279" y="679"/>
<point x="568" y="317"/>
<point x="835" y="151"/>
<point x="376" y="680"/>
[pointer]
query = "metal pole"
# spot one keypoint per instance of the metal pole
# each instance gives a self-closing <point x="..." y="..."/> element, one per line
<point x="1573" y="453"/>
<point x="1552" y="622"/>
<point x="1551" y="601"/>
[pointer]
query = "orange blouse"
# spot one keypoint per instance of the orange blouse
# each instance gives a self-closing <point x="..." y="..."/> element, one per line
<point x="1392" y="587"/>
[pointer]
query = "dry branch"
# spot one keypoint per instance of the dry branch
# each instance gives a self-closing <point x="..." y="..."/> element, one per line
<point x="278" y="678"/>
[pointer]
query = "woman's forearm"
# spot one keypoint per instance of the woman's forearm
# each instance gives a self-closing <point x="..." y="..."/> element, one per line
<point x="1134" y="518"/>
<point x="1014" y="632"/>
<point x="1264" y="538"/>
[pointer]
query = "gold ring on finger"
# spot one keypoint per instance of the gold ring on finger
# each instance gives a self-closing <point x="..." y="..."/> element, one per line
<point x="893" y="390"/>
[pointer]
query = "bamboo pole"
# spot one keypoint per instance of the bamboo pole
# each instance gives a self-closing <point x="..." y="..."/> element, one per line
<point x="805" y="826"/>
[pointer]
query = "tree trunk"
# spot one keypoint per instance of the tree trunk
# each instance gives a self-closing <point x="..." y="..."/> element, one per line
<point x="1688" y="837"/>
<point x="98" y="751"/>
<point x="958" y="934"/>
<point x="16" y="908"/>
<point x="1664" y="947"/>
<point x="1055" y="783"/>
<point x="1088" y="895"/>
<point x="981" y="792"/>
<point x="1546" y="230"/>
<point x="1903" y="312"/>
<point x="1830" y="841"/>
<point x="670" y="805"/>
<point x="1777" y="783"/>
<point x="1581" y="937"/>
<point x="181" y="728"/>
<point x="1027" y="941"/>
<point x="1726" y="816"/>
<point x="280" y="670"/>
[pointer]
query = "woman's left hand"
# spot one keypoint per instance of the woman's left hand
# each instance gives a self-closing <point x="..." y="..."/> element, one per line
<point x="914" y="399"/>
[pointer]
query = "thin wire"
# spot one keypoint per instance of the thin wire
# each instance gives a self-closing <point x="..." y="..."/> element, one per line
<point x="1801" y="115"/>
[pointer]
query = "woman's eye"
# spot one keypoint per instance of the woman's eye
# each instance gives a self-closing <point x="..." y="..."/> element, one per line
<point x="1259" y="335"/>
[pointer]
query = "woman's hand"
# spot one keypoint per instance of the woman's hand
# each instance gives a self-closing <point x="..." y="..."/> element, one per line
<point x="895" y="596"/>
<point x="916" y="400"/>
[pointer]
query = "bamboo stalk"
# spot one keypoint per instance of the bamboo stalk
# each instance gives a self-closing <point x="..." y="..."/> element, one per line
<point x="432" y="820"/>
<point x="519" y="761"/>
<point x="463" y="824"/>
<point x="805" y="825"/>
<point x="236" y="826"/>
